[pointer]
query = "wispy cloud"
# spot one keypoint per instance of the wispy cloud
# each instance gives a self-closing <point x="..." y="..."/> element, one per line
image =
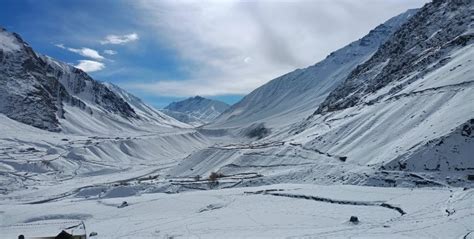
<point x="90" y="66"/>
<point x="86" y="52"/>
<point x="110" y="52"/>
<point x="232" y="47"/>
<point x="185" y="88"/>
<point x="119" y="39"/>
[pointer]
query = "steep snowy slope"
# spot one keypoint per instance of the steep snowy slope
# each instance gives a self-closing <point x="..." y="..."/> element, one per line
<point x="414" y="128"/>
<point x="26" y="91"/>
<point x="196" y="110"/>
<point x="410" y="107"/>
<point x="293" y="97"/>
<point x="42" y="92"/>
<point x="421" y="46"/>
<point x="144" y="111"/>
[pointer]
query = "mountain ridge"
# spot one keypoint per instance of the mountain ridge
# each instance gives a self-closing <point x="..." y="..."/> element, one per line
<point x="296" y="93"/>
<point x="431" y="41"/>
<point x="48" y="94"/>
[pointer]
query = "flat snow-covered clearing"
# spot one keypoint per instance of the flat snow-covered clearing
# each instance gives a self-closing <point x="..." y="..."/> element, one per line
<point x="259" y="212"/>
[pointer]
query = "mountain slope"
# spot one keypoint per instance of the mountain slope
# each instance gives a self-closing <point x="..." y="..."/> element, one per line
<point x="414" y="130"/>
<point x="414" y="51"/>
<point x="292" y="97"/>
<point x="45" y="93"/>
<point x="196" y="110"/>
<point x="144" y="111"/>
<point x="416" y="91"/>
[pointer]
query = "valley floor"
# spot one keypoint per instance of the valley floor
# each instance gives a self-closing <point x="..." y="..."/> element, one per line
<point x="275" y="211"/>
<point x="49" y="182"/>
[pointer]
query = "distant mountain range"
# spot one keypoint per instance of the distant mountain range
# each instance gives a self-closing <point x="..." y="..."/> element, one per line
<point x="196" y="110"/>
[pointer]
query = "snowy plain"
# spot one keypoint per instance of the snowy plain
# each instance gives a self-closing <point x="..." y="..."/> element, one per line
<point x="261" y="212"/>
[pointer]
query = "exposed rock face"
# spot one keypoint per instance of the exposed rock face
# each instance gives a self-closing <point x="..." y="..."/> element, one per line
<point x="34" y="87"/>
<point x="27" y="94"/>
<point x="143" y="110"/>
<point x="422" y="45"/>
<point x="452" y="152"/>
<point x="83" y="87"/>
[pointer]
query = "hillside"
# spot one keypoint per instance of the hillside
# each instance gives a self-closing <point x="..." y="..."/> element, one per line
<point x="294" y="96"/>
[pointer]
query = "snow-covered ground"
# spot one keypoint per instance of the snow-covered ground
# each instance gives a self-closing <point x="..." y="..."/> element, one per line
<point x="276" y="211"/>
<point x="33" y="160"/>
<point x="280" y="169"/>
<point x="50" y="181"/>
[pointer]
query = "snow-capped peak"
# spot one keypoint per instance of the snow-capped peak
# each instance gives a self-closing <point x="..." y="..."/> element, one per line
<point x="196" y="110"/>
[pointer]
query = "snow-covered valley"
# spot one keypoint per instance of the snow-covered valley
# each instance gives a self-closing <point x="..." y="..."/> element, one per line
<point x="315" y="153"/>
<point x="51" y="181"/>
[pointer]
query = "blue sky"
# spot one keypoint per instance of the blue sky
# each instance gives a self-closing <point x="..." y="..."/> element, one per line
<point x="163" y="51"/>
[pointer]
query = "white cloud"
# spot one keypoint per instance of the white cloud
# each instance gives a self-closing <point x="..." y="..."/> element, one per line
<point x="235" y="46"/>
<point x="119" y="39"/>
<point x="90" y="66"/>
<point x="183" y="88"/>
<point x="110" y="52"/>
<point x="86" y="52"/>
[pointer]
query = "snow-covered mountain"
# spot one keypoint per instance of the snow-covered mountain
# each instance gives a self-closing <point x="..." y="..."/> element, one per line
<point x="144" y="111"/>
<point x="293" y="96"/>
<point x="422" y="46"/>
<point x="48" y="94"/>
<point x="403" y="116"/>
<point x="410" y="106"/>
<point x="196" y="110"/>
